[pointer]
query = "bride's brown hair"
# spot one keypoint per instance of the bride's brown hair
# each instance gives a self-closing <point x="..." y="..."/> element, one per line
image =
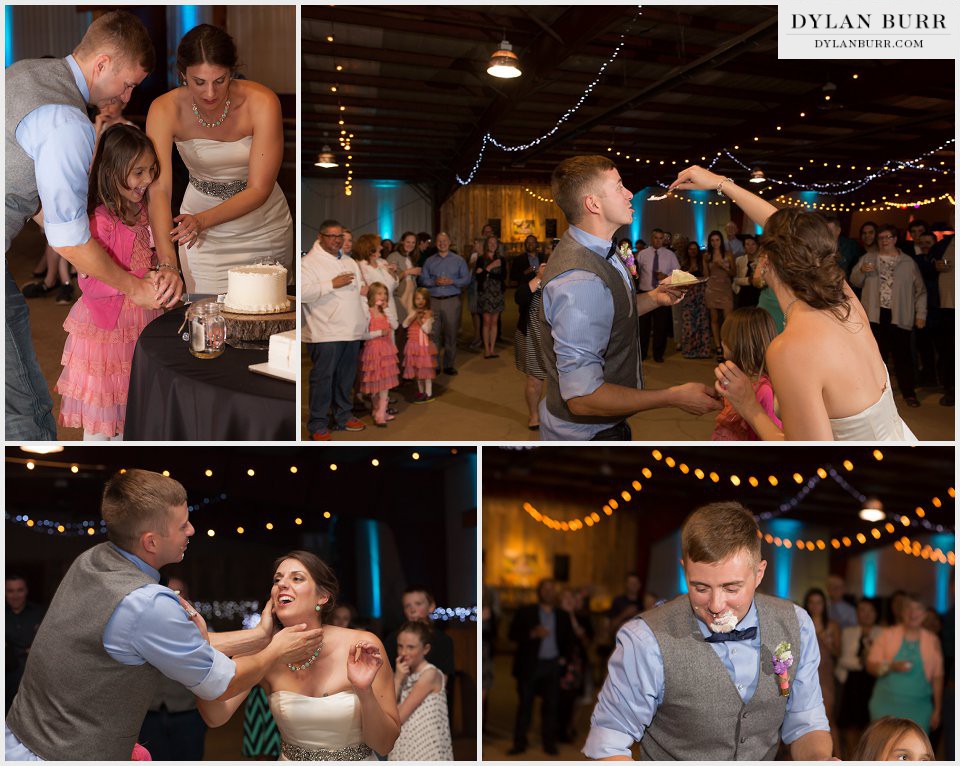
<point x="206" y="44"/>
<point x="803" y="253"/>
<point x="322" y="576"/>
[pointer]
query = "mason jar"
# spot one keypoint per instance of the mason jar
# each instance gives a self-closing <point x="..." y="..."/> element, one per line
<point x="208" y="329"/>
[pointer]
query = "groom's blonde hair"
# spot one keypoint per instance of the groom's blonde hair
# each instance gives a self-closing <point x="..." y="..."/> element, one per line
<point x="575" y="178"/>
<point x="122" y="35"/>
<point x="137" y="501"/>
<point x="716" y="531"/>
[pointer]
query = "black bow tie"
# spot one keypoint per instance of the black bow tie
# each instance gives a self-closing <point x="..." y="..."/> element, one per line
<point x="733" y="635"/>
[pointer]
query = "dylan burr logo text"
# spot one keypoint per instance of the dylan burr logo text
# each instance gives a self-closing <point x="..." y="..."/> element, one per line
<point x="869" y="22"/>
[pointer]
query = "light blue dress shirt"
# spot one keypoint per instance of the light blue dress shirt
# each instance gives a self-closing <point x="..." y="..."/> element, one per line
<point x="579" y="308"/>
<point x="60" y="140"/>
<point x="149" y="625"/>
<point x="548" y="644"/>
<point x="634" y="687"/>
<point x="450" y="265"/>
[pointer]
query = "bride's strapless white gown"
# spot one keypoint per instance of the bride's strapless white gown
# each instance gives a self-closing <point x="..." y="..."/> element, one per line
<point x="218" y="167"/>
<point x="331" y="724"/>
<point x="879" y="422"/>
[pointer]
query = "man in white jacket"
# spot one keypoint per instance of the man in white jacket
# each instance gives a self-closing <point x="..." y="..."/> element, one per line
<point x="332" y="299"/>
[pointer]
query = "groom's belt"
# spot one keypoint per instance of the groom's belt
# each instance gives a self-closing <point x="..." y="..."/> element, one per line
<point x="358" y="752"/>
<point x="221" y="189"/>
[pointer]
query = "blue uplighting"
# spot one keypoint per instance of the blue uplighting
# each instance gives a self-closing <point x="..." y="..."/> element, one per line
<point x="944" y="572"/>
<point x="808" y="197"/>
<point x="369" y="527"/>
<point x="636" y="226"/>
<point x="699" y="217"/>
<point x="189" y="18"/>
<point x="678" y="552"/>
<point x="8" y="36"/>
<point x="782" y="558"/>
<point x="870" y="568"/>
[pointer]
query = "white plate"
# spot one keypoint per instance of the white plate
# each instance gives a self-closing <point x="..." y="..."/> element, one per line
<point x="272" y="372"/>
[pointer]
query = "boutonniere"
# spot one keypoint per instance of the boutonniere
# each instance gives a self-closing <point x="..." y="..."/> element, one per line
<point x="782" y="660"/>
<point x="626" y="255"/>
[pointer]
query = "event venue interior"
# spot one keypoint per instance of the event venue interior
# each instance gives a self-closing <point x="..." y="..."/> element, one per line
<point x="405" y="130"/>
<point x="587" y="518"/>
<point x="383" y="519"/>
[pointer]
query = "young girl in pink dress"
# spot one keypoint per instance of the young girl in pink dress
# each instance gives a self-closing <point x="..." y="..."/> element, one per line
<point x="103" y="325"/>
<point x="379" y="369"/>
<point x="420" y="353"/>
<point x="745" y="335"/>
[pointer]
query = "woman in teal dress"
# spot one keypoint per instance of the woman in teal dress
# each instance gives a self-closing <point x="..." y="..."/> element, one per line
<point x="768" y="300"/>
<point x="908" y="662"/>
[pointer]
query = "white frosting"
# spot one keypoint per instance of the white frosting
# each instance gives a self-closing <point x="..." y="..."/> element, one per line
<point x="724" y="623"/>
<point x="257" y="290"/>
<point x="678" y="277"/>
<point x="283" y="353"/>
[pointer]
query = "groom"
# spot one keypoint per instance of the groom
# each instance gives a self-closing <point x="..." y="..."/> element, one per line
<point x="49" y="149"/>
<point x="112" y="632"/>
<point x="589" y="332"/>
<point x="694" y="679"/>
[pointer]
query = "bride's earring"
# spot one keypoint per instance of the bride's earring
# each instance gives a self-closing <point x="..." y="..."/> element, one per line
<point x="318" y="607"/>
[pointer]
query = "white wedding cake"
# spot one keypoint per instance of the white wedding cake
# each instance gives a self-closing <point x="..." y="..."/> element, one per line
<point x="257" y="290"/>
<point x="284" y="352"/>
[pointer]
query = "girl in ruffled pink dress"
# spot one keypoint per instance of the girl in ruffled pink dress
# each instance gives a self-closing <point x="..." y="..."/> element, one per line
<point x="420" y="353"/>
<point x="745" y="336"/>
<point x="103" y="325"/>
<point x="379" y="368"/>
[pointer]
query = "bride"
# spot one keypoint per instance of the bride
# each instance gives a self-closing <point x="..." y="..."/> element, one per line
<point x="339" y="704"/>
<point x="826" y="369"/>
<point x="229" y="133"/>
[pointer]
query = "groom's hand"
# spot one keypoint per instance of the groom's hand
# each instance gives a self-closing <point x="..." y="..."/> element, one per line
<point x="296" y="644"/>
<point x="265" y="626"/>
<point x="144" y="292"/>
<point x="695" y="398"/>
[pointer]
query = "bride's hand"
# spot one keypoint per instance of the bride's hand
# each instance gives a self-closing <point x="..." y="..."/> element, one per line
<point x="188" y="229"/>
<point x="734" y="385"/>
<point x="696" y="177"/>
<point x="195" y="617"/>
<point x="363" y="664"/>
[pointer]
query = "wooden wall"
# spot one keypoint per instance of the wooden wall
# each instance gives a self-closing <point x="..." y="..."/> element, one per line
<point x="519" y="551"/>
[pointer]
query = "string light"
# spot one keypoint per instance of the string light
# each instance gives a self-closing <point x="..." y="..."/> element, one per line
<point x="532" y="193"/>
<point x="488" y="138"/>
<point x="927" y="552"/>
<point x="454" y="614"/>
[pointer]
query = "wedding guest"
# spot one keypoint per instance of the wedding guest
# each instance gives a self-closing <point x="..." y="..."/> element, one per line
<point x="344" y="615"/>
<point x="848" y="251"/>
<point x="575" y="667"/>
<point x="424" y="249"/>
<point x="334" y="324"/>
<point x="588" y="322"/>
<point x="732" y="243"/>
<point x="46" y="109"/>
<point x="490" y="274"/>
<point x="544" y="638"/>
<point x="687" y="681"/>
<point x="21" y="623"/>
<point x="851" y="671"/>
<point x="945" y="331"/>
<point x="418" y="604"/>
<point x="828" y="637"/>
<point x="445" y="275"/>
<point x="655" y="264"/>
<point x="628" y="604"/>
<point x="893" y="739"/>
<point x="907" y="661"/>
<point x="868" y="237"/>
<point x="379" y="369"/>
<point x="719" y="267"/>
<point x="743" y="287"/>
<point x="420" y="353"/>
<point x="895" y="300"/>
<point x="368" y="252"/>
<point x="696" y="341"/>
<point x="917" y="229"/>
<point x="525" y="265"/>
<point x="529" y="296"/>
<point x="421" y="694"/>
<point x="839" y="609"/>
<point x="401" y="259"/>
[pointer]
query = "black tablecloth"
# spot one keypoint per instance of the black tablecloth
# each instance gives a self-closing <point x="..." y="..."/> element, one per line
<point x="175" y="396"/>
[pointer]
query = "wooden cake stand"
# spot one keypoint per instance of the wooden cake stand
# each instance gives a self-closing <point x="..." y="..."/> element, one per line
<point x="253" y="331"/>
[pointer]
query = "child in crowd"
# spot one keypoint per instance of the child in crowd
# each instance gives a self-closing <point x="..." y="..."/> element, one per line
<point x="420" y="353"/>
<point x="103" y="325"/>
<point x="891" y="739"/>
<point x="379" y="369"/>
<point x="745" y="335"/>
<point x="422" y="700"/>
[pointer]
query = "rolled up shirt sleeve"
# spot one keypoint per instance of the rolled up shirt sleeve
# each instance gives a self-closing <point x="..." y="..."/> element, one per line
<point x="60" y="140"/>
<point x="149" y="625"/>
<point x="579" y="308"/>
<point x="631" y="694"/>
<point x="805" y="711"/>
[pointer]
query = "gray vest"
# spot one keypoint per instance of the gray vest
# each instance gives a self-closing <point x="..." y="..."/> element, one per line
<point x="76" y="703"/>
<point x="702" y="717"/>
<point x="621" y="358"/>
<point x="30" y="83"/>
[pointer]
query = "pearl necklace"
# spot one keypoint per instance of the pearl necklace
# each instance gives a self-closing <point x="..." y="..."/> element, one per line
<point x="309" y="662"/>
<point x="204" y="123"/>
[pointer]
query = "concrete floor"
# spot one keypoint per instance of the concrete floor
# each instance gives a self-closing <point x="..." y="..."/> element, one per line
<point x="485" y="402"/>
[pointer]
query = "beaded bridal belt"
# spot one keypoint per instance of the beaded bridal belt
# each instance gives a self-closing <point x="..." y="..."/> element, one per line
<point x="358" y="752"/>
<point x="222" y="190"/>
